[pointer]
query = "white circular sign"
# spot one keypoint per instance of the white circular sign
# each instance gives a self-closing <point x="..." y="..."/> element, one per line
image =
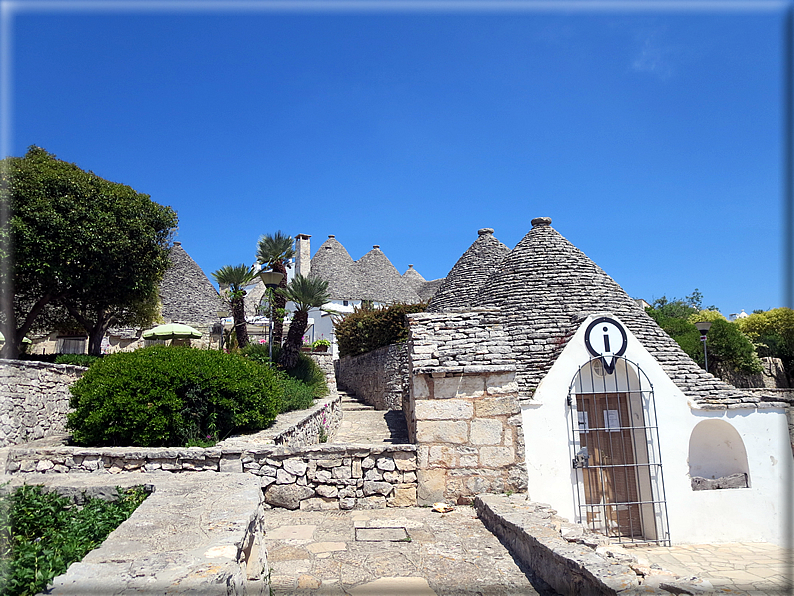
<point x="606" y="337"/>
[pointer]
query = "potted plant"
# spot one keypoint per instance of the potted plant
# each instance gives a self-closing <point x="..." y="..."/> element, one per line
<point x="321" y="345"/>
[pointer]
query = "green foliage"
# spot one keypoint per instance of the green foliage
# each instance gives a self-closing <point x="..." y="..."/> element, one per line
<point x="169" y="396"/>
<point x="236" y="278"/>
<point x="368" y="328"/>
<point x="85" y="249"/>
<point x="772" y="332"/>
<point x="725" y="342"/>
<point x="706" y="316"/>
<point x="76" y="359"/>
<point x="307" y="293"/>
<point x="321" y="342"/>
<point x="41" y="534"/>
<point x="306" y="371"/>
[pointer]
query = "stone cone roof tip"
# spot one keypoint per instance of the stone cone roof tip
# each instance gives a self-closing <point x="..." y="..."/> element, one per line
<point x="186" y="293"/>
<point x="380" y="281"/>
<point x="546" y="287"/>
<point x="413" y="277"/>
<point x="332" y="263"/>
<point x="464" y="280"/>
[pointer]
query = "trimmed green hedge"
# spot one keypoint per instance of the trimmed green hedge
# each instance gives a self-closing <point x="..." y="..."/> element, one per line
<point x="368" y="328"/>
<point x="307" y="371"/>
<point x="172" y="396"/>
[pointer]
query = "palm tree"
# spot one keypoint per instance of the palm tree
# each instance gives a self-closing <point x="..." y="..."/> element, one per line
<point x="306" y="293"/>
<point x="276" y="251"/>
<point x="236" y="278"/>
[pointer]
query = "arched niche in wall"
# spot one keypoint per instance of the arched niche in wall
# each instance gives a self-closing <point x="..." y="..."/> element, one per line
<point x="717" y="457"/>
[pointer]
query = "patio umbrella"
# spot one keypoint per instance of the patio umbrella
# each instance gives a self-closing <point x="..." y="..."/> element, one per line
<point x="25" y="340"/>
<point x="171" y="331"/>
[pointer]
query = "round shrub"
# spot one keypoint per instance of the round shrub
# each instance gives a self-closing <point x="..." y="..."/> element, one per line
<point x="306" y="370"/>
<point x="170" y="396"/>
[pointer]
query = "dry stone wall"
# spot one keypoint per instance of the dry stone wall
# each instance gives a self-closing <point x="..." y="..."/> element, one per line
<point x="379" y="377"/>
<point x="34" y="399"/>
<point x="463" y="411"/>
<point x="326" y="363"/>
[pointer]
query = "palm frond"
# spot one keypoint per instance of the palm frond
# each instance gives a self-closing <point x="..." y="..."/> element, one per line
<point x="306" y="292"/>
<point x="234" y="276"/>
<point x="275" y="249"/>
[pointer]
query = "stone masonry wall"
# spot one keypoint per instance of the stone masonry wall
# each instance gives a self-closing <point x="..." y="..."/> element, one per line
<point x="463" y="411"/>
<point x="34" y="399"/>
<point x="325" y="361"/>
<point x="379" y="377"/>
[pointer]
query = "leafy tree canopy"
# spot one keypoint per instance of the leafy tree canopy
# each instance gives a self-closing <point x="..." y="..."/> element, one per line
<point x="725" y="342"/>
<point x="78" y="242"/>
<point x="772" y="332"/>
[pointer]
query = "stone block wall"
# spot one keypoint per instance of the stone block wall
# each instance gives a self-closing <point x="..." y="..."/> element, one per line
<point x="325" y="361"/>
<point x="34" y="399"/>
<point x="463" y="412"/>
<point x="331" y="477"/>
<point x="379" y="377"/>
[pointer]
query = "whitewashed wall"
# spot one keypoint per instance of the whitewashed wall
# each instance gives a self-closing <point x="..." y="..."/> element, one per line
<point x="747" y="514"/>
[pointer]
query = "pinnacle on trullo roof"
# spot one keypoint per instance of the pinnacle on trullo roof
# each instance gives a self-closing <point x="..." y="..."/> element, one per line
<point x="464" y="280"/>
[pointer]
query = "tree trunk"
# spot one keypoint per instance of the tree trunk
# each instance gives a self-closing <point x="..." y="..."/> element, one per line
<point x="240" y="327"/>
<point x="292" y="347"/>
<point x="279" y="302"/>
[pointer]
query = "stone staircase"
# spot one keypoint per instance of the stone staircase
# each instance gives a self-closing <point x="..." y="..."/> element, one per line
<point x="363" y="424"/>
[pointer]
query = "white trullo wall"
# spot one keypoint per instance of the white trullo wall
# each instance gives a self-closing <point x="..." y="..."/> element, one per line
<point x="756" y="513"/>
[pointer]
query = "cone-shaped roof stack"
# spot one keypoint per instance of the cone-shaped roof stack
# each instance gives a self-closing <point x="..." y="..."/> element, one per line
<point x="413" y="277"/>
<point x="332" y="263"/>
<point x="546" y="287"/>
<point x="380" y="281"/>
<point x="464" y="280"/>
<point x="187" y="295"/>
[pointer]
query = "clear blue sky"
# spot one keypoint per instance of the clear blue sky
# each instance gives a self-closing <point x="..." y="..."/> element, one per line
<point x="652" y="139"/>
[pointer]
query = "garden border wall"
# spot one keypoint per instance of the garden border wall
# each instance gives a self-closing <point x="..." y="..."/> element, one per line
<point x="34" y="399"/>
<point x="380" y="378"/>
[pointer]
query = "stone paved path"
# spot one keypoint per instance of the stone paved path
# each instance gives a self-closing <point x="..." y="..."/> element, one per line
<point x="756" y="568"/>
<point x="364" y="424"/>
<point x="401" y="551"/>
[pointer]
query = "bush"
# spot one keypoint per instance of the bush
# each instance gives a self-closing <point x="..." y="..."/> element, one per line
<point x="725" y="342"/>
<point x="169" y="396"/>
<point x="306" y="370"/>
<point x="76" y="359"/>
<point x="41" y="534"/>
<point x="368" y="328"/>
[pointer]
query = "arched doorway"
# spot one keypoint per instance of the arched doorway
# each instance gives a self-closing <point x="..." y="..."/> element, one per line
<point x="614" y="442"/>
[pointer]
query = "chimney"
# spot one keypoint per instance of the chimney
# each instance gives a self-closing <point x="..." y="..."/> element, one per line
<point x="303" y="255"/>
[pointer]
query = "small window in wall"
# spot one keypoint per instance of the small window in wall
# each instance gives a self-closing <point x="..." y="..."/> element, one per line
<point x="344" y="303"/>
<point x="71" y="345"/>
<point x="717" y="457"/>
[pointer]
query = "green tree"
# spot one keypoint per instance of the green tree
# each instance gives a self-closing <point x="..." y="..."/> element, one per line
<point x="276" y="251"/>
<point x="78" y="242"/>
<point x="725" y="342"/>
<point x="307" y="293"/>
<point x="772" y="332"/>
<point x="236" y="278"/>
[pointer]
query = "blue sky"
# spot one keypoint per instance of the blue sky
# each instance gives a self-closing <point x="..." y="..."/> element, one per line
<point x="652" y="139"/>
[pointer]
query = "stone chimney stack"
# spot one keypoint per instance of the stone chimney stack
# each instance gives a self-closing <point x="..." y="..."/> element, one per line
<point x="303" y="255"/>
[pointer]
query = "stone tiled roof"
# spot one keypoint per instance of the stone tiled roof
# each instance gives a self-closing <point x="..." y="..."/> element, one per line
<point x="425" y="289"/>
<point x="462" y="283"/>
<point x="429" y="288"/>
<point x="379" y="280"/>
<point x="187" y="294"/>
<point x="332" y="263"/>
<point x="546" y="287"/>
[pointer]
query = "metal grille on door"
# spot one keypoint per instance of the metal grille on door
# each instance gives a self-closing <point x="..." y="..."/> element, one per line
<point x="614" y="442"/>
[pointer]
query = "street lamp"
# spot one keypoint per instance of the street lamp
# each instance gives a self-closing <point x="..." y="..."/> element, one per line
<point x="271" y="279"/>
<point x="221" y="314"/>
<point x="704" y="327"/>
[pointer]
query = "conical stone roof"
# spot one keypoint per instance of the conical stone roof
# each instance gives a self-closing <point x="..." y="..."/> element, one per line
<point x="413" y="277"/>
<point x="187" y="295"/>
<point x="546" y="287"/>
<point x="332" y="263"/>
<point x="380" y="281"/>
<point x="464" y="280"/>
